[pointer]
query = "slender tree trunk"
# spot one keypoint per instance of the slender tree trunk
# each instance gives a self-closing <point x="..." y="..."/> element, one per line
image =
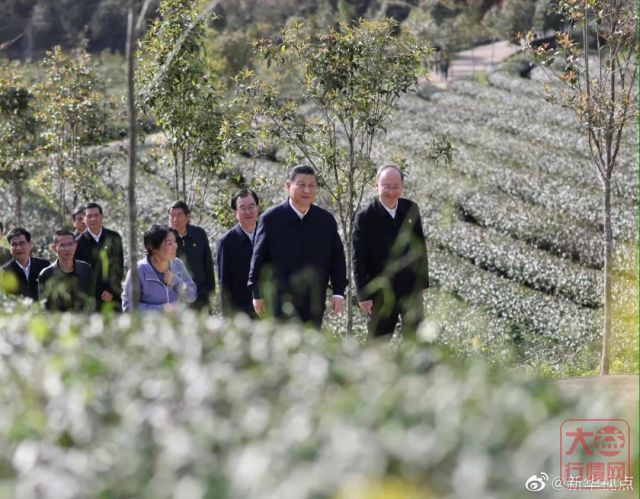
<point x="608" y="274"/>
<point x="183" y="161"/>
<point x="61" y="194"/>
<point x="18" y="209"/>
<point x="176" y="170"/>
<point x="349" y="295"/>
<point x="131" y="188"/>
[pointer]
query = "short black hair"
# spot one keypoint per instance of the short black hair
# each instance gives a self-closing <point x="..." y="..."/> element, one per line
<point x="301" y="170"/>
<point x="1" y="227"/>
<point x="79" y="209"/>
<point x="243" y="193"/>
<point x="154" y="236"/>
<point x="180" y="205"/>
<point x="386" y="167"/>
<point x="62" y="232"/>
<point x="19" y="231"/>
<point x="94" y="205"/>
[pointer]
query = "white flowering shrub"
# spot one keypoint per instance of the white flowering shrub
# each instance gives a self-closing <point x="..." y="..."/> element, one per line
<point x="191" y="407"/>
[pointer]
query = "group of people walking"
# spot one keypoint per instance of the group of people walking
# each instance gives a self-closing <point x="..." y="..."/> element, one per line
<point x="278" y="264"/>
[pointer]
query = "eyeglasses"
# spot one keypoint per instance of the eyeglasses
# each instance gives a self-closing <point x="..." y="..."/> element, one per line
<point x="251" y="207"/>
<point x="19" y="244"/>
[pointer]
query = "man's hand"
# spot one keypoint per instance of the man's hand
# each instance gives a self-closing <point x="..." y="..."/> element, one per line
<point x="258" y="306"/>
<point x="366" y="306"/>
<point x="336" y="304"/>
<point x="106" y="296"/>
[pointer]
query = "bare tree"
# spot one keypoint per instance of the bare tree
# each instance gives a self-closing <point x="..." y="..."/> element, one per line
<point x="599" y="76"/>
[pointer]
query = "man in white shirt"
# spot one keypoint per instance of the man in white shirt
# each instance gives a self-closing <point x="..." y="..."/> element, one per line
<point x="20" y="274"/>
<point x="390" y="256"/>
<point x="102" y="249"/>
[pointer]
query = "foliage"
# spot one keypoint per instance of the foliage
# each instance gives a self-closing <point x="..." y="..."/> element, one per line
<point x="351" y="77"/>
<point x="74" y="116"/>
<point x="178" y="82"/>
<point x="18" y="132"/>
<point x="187" y="406"/>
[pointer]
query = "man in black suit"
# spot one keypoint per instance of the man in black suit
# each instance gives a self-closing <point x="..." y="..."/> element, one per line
<point x="390" y="257"/>
<point x="20" y="274"/>
<point x="234" y="255"/>
<point x="296" y="252"/>
<point x="102" y="249"/>
<point x="194" y="251"/>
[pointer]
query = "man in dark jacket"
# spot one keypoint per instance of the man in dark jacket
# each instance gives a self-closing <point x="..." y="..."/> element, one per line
<point x="20" y="274"/>
<point x="194" y="251"/>
<point x="102" y="249"/>
<point x="234" y="255"/>
<point x="298" y="244"/>
<point x="67" y="283"/>
<point x="390" y="257"/>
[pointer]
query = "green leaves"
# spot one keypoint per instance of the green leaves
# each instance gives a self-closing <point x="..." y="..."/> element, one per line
<point x="73" y="116"/>
<point x="180" y="86"/>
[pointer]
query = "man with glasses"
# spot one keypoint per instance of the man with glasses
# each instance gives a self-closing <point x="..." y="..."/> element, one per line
<point x="20" y="274"/>
<point x="297" y="251"/>
<point x="234" y="255"/>
<point x="194" y="251"/>
<point x="67" y="284"/>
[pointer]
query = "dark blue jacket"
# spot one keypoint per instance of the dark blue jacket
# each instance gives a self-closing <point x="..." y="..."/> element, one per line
<point x="234" y="260"/>
<point x="28" y="288"/>
<point x="294" y="259"/>
<point x="195" y="252"/>
<point x="106" y="258"/>
<point x="392" y="248"/>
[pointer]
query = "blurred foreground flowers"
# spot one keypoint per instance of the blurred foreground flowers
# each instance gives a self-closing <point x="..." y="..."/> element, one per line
<point x="185" y="406"/>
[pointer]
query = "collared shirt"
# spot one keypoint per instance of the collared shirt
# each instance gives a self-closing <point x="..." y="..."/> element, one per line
<point x="96" y="238"/>
<point x="390" y="211"/>
<point x="26" y="269"/>
<point x="249" y="234"/>
<point x="299" y="213"/>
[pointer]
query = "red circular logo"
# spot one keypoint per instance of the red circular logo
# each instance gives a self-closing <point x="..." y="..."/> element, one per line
<point x="609" y="441"/>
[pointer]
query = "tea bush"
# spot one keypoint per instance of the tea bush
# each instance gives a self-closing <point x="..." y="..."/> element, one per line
<point x="191" y="407"/>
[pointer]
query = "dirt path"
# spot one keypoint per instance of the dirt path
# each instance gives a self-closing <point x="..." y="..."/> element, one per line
<point x="480" y="58"/>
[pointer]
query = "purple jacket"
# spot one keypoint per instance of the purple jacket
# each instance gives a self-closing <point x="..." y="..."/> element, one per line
<point x="154" y="294"/>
